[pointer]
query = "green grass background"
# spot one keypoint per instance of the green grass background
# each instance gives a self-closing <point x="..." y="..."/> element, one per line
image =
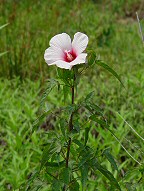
<point x="114" y="35"/>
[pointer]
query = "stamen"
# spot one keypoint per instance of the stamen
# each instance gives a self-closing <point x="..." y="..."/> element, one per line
<point x="69" y="56"/>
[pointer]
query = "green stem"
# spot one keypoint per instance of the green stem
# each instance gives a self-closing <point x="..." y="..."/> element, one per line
<point x="70" y="129"/>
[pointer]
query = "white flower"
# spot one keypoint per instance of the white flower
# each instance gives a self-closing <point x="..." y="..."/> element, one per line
<point x="65" y="54"/>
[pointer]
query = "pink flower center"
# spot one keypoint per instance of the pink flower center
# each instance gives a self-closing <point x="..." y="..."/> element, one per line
<point x="69" y="55"/>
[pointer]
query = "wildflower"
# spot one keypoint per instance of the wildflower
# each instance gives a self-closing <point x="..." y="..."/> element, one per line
<point x="65" y="54"/>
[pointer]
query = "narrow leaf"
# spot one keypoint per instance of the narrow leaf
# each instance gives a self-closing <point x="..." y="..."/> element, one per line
<point x="108" y="175"/>
<point x="91" y="57"/>
<point x="48" y="152"/>
<point x="84" y="160"/>
<point x="77" y="142"/>
<point x="89" y="96"/>
<point x="65" y="176"/>
<point x="84" y="175"/>
<point x="3" y="53"/>
<point x="55" y="164"/>
<point x="38" y="121"/>
<point x="110" y="158"/>
<point x="104" y="124"/>
<point x="99" y="121"/>
<point x="87" y="129"/>
<point x="3" y="26"/>
<point x="109" y="69"/>
<point x="51" y="84"/>
<point x="66" y="91"/>
<point x="74" y="185"/>
<point x="93" y="108"/>
<point x="56" y="185"/>
<point x="63" y="124"/>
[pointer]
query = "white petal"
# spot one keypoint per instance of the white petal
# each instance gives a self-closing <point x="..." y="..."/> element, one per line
<point x="81" y="58"/>
<point x="63" y="64"/>
<point x="61" y="41"/>
<point x="80" y="42"/>
<point x="51" y="55"/>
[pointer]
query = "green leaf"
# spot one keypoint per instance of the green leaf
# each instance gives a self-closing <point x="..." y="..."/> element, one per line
<point x="87" y="129"/>
<point x="66" y="91"/>
<point x="65" y="75"/>
<point x="1" y="54"/>
<point x="89" y="96"/>
<point x="38" y="121"/>
<point x="109" y="69"/>
<point x="84" y="159"/>
<point x="31" y="179"/>
<point x="65" y="176"/>
<point x="74" y="185"/>
<point x="91" y="57"/>
<point x="3" y="26"/>
<point x="105" y="125"/>
<point x="52" y="83"/>
<point x="55" y="164"/>
<point x="76" y="126"/>
<point x="108" y="175"/>
<point x="99" y="121"/>
<point x="77" y="142"/>
<point x="110" y="158"/>
<point x="84" y="175"/>
<point x="48" y="152"/>
<point x="56" y="184"/>
<point x="130" y="187"/>
<point x="71" y="108"/>
<point x="63" y="126"/>
<point x="93" y="108"/>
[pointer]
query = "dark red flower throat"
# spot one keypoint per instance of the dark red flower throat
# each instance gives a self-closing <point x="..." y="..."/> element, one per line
<point x="69" y="56"/>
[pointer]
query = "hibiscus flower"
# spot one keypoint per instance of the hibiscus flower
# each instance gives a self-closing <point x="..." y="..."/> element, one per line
<point x="65" y="53"/>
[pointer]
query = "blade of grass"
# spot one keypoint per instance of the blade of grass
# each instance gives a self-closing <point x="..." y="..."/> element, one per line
<point x="131" y="127"/>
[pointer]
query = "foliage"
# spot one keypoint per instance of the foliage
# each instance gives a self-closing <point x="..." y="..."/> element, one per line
<point x="18" y="150"/>
<point x="113" y="32"/>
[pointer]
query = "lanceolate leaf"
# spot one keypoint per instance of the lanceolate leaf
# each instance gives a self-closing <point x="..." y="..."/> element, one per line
<point x="110" y="158"/>
<point x="74" y="185"/>
<point x="48" y="152"/>
<point x="85" y="159"/>
<point x="108" y="175"/>
<point x="99" y="121"/>
<point x="66" y="91"/>
<point x="3" y="26"/>
<point x="105" y="125"/>
<point x="105" y="66"/>
<point x="84" y="175"/>
<point x="93" y="108"/>
<point x="39" y="119"/>
<point x="89" y="96"/>
<point x="77" y="142"/>
<point x="52" y="84"/>
<point x="91" y="57"/>
<point x="65" y="75"/>
<point x="56" y="185"/>
<point x="55" y="164"/>
<point x="1" y="54"/>
<point x="65" y="176"/>
<point x="31" y="179"/>
<point x="87" y="129"/>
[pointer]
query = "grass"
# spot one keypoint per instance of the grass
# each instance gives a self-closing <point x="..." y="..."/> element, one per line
<point x="113" y="32"/>
<point x="17" y="147"/>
